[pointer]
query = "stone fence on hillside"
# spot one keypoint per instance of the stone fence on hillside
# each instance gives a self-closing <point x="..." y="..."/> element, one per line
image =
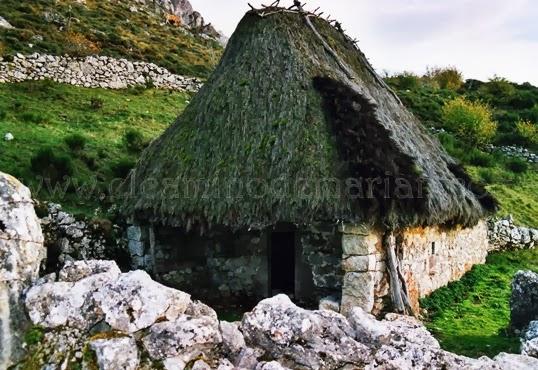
<point x="503" y="234"/>
<point x="93" y="72"/>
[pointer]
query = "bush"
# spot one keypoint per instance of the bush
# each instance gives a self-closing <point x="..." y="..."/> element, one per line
<point x="32" y="117"/>
<point x="122" y="168"/>
<point x="517" y="165"/>
<point x="481" y="159"/>
<point x="96" y="103"/>
<point x="498" y="87"/>
<point x="2" y="115"/>
<point x="446" y="78"/>
<point x="405" y="81"/>
<point x="528" y="131"/>
<point x="76" y="142"/>
<point x="472" y="122"/>
<point x="51" y="165"/>
<point x="134" y="140"/>
<point x="487" y="176"/>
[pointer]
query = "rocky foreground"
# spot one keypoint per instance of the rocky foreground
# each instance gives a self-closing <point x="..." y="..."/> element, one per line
<point x="94" y="315"/>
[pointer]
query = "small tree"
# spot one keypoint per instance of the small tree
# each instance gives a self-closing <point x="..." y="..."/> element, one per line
<point x="528" y="131"/>
<point x="446" y="78"/>
<point x="472" y="122"/>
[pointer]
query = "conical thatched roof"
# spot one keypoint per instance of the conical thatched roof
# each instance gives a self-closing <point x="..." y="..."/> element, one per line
<point x="292" y="112"/>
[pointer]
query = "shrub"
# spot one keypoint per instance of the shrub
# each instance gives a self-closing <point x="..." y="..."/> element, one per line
<point x="405" y="81"/>
<point x="134" y="140"/>
<point x="446" y="78"/>
<point x="487" y="176"/>
<point x="75" y="142"/>
<point x="122" y="168"/>
<point x="481" y="159"/>
<point x="499" y="87"/>
<point x="3" y="114"/>
<point x="472" y="122"/>
<point x="34" y="335"/>
<point x="32" y="117"/>
<point x="96" y="103"/>
<point x="51" y="165"/>
<point x="528" y="131"/>
<point x="517" y="165"/>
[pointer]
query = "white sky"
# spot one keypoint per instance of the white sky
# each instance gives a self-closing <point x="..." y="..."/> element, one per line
<point x="482" y="38"/>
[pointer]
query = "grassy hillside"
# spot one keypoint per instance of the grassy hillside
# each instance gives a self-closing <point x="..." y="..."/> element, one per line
<point x="107" y="28"/>
<point x="90" y="135"/>
<point x="513" y="183"/>
<point x="471" y="316"/>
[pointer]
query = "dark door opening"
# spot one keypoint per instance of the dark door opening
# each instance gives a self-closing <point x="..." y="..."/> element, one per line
<point x="282" y="262"/>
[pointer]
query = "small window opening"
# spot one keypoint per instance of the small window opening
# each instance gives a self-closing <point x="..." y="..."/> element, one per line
<point x="282" y="262"/>
<point x="434" y="248"/>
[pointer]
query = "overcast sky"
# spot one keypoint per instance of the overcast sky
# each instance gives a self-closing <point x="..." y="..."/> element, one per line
<point x="482" y="38"/>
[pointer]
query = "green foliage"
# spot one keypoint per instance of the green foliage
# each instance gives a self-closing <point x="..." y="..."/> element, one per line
<point x="528" y="131"/>
<point x="76" y="142"/>
<point x="121" y="168"/>
<point x="34" y="335"/>
<point x="471" y="316"/>
<point x="134" y="140"/>
<point x="481" y="159"/>
<point x="517" y="165"/>
<point x="405" y="81"/>
<point x="445" y="78"/>
<point x="96" y="103"/>
<point x="472" y="122"/>
<point x="51" y="165"/>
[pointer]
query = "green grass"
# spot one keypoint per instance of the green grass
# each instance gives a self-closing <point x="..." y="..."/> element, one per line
<point x="61" y="111"/>
<point x="105" y="28"/>
<point x="471" y="316"/>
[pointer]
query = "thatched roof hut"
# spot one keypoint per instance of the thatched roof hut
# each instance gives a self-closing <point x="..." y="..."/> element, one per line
<point x="292" y="118"/>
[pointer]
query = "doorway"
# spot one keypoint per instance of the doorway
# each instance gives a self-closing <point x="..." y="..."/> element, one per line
<point x="282" y="263"/>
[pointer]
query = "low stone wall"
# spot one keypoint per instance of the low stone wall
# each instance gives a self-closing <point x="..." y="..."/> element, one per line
<point x="503" y="234"/>
<point x="93" y="72"/>
<point x="68" y="238"/>
<point x="430" y="258"/>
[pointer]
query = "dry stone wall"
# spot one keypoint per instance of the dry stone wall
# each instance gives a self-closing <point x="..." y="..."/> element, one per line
<point x="93" y="72"/>
<point x="430" y="258"/>
<point x="505" y="235"/>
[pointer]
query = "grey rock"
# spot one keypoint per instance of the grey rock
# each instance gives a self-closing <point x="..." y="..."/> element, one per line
<point x="529" y="340"/>
<point x="5" y="24"/>
<point x="293" y="336"/>
<point x="524" y="299"/>
<point x="21" y="251"/>
<point x="116" y="353"/>
<point x="183" y="339"/>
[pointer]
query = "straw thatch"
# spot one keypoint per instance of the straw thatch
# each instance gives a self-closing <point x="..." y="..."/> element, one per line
<point x="290" y="114"/>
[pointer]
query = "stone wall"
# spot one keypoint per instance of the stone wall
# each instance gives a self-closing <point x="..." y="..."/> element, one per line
<point x="217" y="265"/>
<point x="93" y="72"/>
<point x="503" y="234"/>
<point x="430" y="258"/>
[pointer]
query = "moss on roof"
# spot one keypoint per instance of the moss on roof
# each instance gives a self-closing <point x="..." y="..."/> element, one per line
<point x="282" y="130"/>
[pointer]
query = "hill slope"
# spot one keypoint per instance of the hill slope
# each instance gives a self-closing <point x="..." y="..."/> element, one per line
<point x="113" y="28"/>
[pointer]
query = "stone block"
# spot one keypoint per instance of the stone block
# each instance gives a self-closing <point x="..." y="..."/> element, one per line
<point x="359" y="263"/>
<point x="134" y="233"/>
<point x="358" y="291"/>
<point x="359" y="245"/>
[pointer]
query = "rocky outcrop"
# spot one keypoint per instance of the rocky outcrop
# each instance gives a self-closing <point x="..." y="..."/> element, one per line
<point x="529" y="340"/>
<point x="70" y="239"/>
<point x="132" y="322"/>
<point x="503" y="234"/>
<point x="21" y="253"/>
<point x="93" y="72"/>
<point x="524" y="299"/>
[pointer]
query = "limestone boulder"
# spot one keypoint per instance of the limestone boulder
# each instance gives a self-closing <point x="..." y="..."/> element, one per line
<point x="529" y="340"/>
<point x="70" y="301"/>
<point x="134" y="302"/>
<point x="116" y="353"/>
<point x="298" y="338"/>
<point x="21" y="254"/>
<point x="524" y="299"/>
<point x="183" y="340"/>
